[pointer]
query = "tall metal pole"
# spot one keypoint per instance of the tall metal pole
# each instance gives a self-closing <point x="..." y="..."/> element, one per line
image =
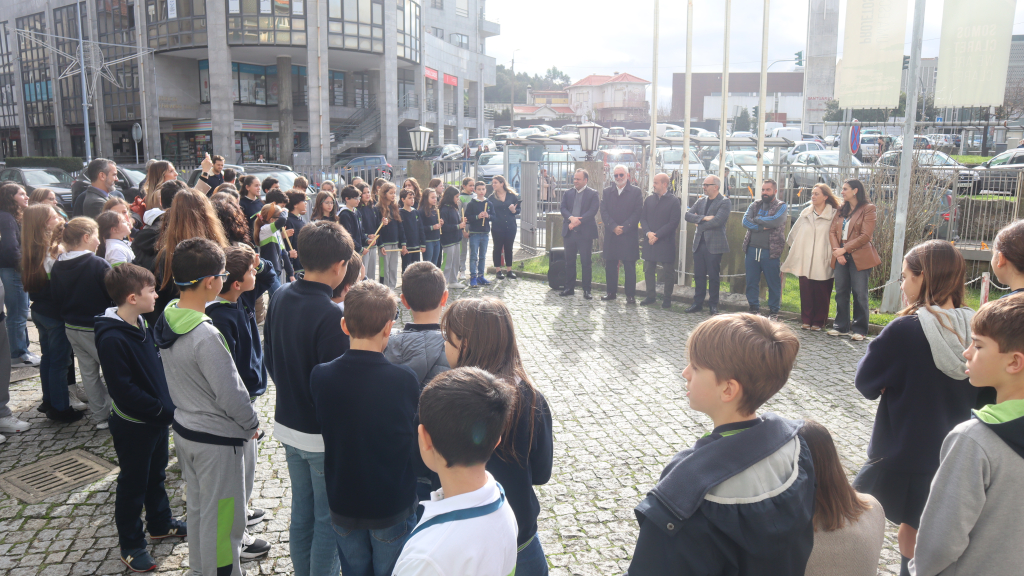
<point x="891" y="296"/>
<point x="142" y="86"/>
<point x="512" y="97"/>
<point x="725" y="97"/>
<point x="763" y="93"/>
<point x="654" y="108"/>
<point x="85" y="91"/>
<point x="686" y="143"/>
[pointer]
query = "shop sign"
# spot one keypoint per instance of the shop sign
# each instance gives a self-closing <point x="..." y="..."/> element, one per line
<point x="451" y="80"/>
<point x="430" y="73"/>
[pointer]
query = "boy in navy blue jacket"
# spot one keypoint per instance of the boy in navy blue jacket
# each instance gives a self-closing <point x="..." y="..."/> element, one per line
<point x="741" y="500"/>
<point x="142" y="412"/>
<point x="478" y="213"/>
<point x="366" y="407"/>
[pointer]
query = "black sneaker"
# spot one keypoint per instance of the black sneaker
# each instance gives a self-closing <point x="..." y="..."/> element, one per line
<point x="44" y="407"/>
<point x="755" y="309"/>
<point x="511" y="275"/>
<point x="176" y="529"/>
<point x="253" y="547"/>
<point x="138" y="560"/>
<point x="65" y="416"/>
<point x="255" y="516"/>
<point x="500" y="275"/>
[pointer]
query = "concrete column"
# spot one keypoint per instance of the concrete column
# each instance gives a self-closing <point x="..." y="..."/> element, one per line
<point x="319" y="94"/>
<point x="285" y="110"/>
<point x="100" y="129"/>
<point x="482" y="131"/>
<point x="28" y="141"/>
<point x="421" y="88"/>
<point x="150" y="103"/>
<point x="460" y="108"/>
<point x="439" y="95"/>
<point x="387" y="95"/>
<point x="222" y="110"/>
<point x="63" y="143"/>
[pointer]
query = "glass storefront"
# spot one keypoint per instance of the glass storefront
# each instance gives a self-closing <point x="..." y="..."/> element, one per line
<point x="250" y="146"/>
<point x="186" y="148"/>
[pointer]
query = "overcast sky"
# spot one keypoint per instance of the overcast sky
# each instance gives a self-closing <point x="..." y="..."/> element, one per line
<point x="618" y="36"/>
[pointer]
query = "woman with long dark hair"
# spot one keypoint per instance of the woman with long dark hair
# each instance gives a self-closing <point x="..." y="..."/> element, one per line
<point x="13" y="201"/>
<point x="810" y="256"/>
<point x="506" y="205"/>
<point x="158" y="172"/>
<point x="478" y="332"/>
<point x="853" y="257"/>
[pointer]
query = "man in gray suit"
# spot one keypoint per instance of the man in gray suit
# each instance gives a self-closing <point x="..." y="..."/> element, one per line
<point x="710" y="213"/>
<point x="579" y="230"/>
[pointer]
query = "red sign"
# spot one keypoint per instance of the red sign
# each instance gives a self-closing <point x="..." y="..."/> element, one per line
<point x="451" y="80"/>
<point x="430" y="73"/>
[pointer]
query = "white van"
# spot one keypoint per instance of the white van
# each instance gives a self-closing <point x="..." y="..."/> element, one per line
<point x="662" y="128"/>
<point x="791" y="133"/>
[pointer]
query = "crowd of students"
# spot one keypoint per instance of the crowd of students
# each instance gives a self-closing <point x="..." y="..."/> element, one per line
<point x="415" y="450"/>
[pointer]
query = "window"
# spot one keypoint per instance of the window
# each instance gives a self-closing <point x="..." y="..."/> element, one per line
<point x="337" y="86"/>
<point x="70" y="88"/>
<point x="300" y="87"/>
<point x="460" y="40"/>
<point x="361" y="90"/>
<point x="204" y="81"/>
<point x="439" y="4"/>
<point x="8" y="87"/>
<point x="437" y="32"/>
<point x="462" y="8"/>
<point x="356" y="25"/>
<point x="252" y="83"/>
<point x="35" y="74"/>
<point x="408" y="35"/>
<point x="173" y="24"/>
<point x="281" y="22"/>
<point x="116" y="25"/>
<point x="406" y="84"/>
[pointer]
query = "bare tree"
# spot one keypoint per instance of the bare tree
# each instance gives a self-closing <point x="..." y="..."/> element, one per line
<point x="1013" y="100"/>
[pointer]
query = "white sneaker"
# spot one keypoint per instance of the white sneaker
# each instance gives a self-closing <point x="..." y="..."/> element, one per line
<point x="77" y="404"/>
<point x="103" y="425"/>
<point x="456" y="286"/>
<point x="77" y="391"/>
<point x="27" y="359"/>
<point x="3" y="438"/>
<point x="12" y="424"/>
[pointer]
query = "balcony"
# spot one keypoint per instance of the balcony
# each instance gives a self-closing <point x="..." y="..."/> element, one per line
<point x="469" y="111"/>
<point x="411" y="100"/>
<point x="431" y="105"/>
<point x="488" y="28"/>
<point x="450" y="109"/>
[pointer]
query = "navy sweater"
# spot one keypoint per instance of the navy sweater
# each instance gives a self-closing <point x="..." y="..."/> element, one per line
<point x="10" y="241"/>
<point x="132" y="370"/>
<point x="393" y="233"/>
<point x="519" y="475"/>
<point x="479" y="225"/>
<point x="250" y="207"/>
<point x="351" y="222"/>
<point x="265" y="278"/>
<point x="369" y="218"/>
<point x="302" y="329"/>
<point x="77" y="284"/>
<point x="451" y="234"/>
<point x="413" y="229"/>
<point x="428" y="221"/>
<point x="504" y="220"/>
<point x="238" y="325"/>
<point x="43" y="302"/>
<point x="295" y="223"/>
<point x="920" y="404"/>
<point x="366" y="407"/>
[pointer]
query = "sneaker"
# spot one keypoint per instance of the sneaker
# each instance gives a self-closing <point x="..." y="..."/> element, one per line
<point x="78" y="391"/>
<point x="12" y="424"/>
<point x="255" y="516"/>
<point x="835" y="332"/>
<point x="856" y="337"/>
<point x="66" y="416"/>
<point x="3" y="438"/>
<point x="26" y="359"/>
<point x="103" y="425"/>
<point x="253" y="547"/>
<point x="481" y="281"/>
<point x="176" y="529"/>
<point x="138" y="560"/>
<point x="456" y="286"/>
<point x="44" y="407"/>
<point x="472" y="283"/>
<point x="77" y="404"/>
<point x="500" y="275"/>
<point x="511" y="275"/>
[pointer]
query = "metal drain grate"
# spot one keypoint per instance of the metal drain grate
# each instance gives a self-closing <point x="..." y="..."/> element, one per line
<point x="55" y="475"/>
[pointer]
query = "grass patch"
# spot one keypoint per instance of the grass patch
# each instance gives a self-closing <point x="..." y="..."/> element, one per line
<point x="790" y="289"/>
<point x="970" y="159"/>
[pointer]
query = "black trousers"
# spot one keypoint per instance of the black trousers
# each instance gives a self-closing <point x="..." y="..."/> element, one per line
<point x="611" y="274"/>
<point x="583" y="247"/>
<point x="410" y="258"/>
<point x="706" y="269"/>
<point x="668" y="276"/>
<point x="142" y="455"/>
<point x="502" y="246"/>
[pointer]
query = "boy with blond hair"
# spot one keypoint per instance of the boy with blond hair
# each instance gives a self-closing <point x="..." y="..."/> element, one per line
<point x="741" y="500"/>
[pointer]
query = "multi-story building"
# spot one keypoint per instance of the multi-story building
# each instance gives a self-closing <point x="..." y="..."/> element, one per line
<point x="784" y="95"/>
<point x="293" y="81"/>
<point x="607" y="98"/>
<point x="927" y="74"/>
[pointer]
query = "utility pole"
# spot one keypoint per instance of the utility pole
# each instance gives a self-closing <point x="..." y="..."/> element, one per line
<point x="891" y="296"/>
<point x="760" y="105"/>
<point x="685" y="193"/>
<point x="512" y="98"/>
<point x="725" y="99"/>
<point x="652" y="165"/>
<point x="85" y="91"/>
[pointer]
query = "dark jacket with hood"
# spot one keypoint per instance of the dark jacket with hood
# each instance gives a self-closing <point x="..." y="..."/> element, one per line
<point x="353" y="223"/>
<point x="145" y="244"/>
<point x="765" y="223"/>
<point x="77" y="285"/>
<point x="740" y="502"/>
<point x="419" y="347"/>
<point x="237" y="323"/>
<point x="132" y="370"/>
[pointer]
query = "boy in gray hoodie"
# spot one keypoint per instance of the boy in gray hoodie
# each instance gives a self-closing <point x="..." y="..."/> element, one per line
<point x="214" y="422"/>
<point x="975" y="507"/>
<point x="420" y="345"/>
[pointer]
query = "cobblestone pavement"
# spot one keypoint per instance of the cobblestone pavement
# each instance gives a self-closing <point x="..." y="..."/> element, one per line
<point x="611" y="375"/>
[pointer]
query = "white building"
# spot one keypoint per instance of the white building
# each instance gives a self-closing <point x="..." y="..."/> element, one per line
<point x="608" y="98"/>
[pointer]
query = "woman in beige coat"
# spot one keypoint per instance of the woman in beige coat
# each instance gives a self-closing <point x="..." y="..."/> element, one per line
<point x="809" y="256"/>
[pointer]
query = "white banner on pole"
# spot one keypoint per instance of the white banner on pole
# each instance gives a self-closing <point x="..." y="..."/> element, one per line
<point x="974" y="52"/>
<point x="872" y="54"/>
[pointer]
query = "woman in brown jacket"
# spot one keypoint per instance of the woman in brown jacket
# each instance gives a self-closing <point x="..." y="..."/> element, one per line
<point x="853" y="257"/>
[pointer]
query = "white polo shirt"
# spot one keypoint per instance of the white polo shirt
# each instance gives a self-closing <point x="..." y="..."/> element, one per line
<point x="481" y="546"/>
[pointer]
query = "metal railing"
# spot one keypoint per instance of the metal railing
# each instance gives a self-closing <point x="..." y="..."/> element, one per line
<point x="410" y="100"/>
<point x="450" y="108"/>
<point x="342" y="176"/>
<point x="431" y="105"/>
<point x="469" y="111"/>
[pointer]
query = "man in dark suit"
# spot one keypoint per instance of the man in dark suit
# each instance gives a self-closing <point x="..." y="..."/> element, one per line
<point x="659" y="221"/>
<point x="710" y="213"/>
<point x="579" y="229"/>
<point x="620" y="212"/>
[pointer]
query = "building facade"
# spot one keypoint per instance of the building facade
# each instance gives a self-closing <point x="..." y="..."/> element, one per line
<point x="785" y="95"/>
<point x="609" y="98"/>
<point x="292" y="81"/>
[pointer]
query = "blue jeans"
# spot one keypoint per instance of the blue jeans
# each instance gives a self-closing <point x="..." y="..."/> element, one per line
<point x="372" y="552"/>
<point x="310" y="541"/>
<point x="16" y="301"/>
<point x="530" y="561"/>
<point x="433" y="253"/>
<point x="758" y="261"/>
<point x="55" y="361"/>
<point x="477" y="254"/>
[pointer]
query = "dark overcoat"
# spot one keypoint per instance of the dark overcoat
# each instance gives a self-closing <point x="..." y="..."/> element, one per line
<point x="587" y="230"/>
<point x="621" y="210"/>
<point x="661" y="216"/>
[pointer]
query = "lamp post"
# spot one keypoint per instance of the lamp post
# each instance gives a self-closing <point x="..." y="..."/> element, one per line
<point x="590" y="138"/>
<point x="420" y="137"/>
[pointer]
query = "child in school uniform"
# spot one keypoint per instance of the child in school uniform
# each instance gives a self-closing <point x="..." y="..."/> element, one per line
<point x="1008" y="257"/>
<point x="430" y="216"/>
<point x="142" y="410"/>
<point x="76" y="282"/>
<point x="415" y="243"/>
<point x="353" y="274"/>
<point x="351" y="220"/>
<point x="451" y="237"/>
<point x="113" y="230"/>
<point x="478" y="214"/>
<point x="467" y="527"/>
<point x="269" y="224"/>
<point x="391" y="238"/>
<point x="419" y="345"/>
<point x="369" y="218"/>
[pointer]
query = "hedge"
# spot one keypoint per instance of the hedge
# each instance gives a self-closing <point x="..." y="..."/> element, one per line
<point x="66" y="163"/>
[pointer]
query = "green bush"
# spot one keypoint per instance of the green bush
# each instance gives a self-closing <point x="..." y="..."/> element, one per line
<point x="66" y="163"/>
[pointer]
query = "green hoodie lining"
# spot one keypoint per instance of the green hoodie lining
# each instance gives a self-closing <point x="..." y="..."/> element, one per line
<point x="1002" y="412"/>
<point x="183" y="320"/>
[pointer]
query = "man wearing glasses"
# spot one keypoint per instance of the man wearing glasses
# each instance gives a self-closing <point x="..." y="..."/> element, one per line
<point x="710" y="213"/>
<point x="579" y="230"/>
<point x="620" y="212"/>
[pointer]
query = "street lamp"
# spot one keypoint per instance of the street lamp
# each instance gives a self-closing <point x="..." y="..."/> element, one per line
<point x="590" y="138"/>
<point x="420" y="137"/>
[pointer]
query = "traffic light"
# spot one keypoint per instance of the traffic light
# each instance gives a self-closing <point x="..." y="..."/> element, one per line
<point x="906" y="62"/>
<point x="800" y="58"/>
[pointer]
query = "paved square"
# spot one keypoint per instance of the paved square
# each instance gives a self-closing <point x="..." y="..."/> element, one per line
<point x="611" y="375"/>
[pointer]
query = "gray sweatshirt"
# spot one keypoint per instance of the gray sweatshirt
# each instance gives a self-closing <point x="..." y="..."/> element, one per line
<point x="210" y="399"/>
<point x="973" y="519"/>
<point x="948" y="333"/>
<point x="421" y="348"/>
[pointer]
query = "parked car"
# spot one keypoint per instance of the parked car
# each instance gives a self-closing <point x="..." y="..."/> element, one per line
<point x="665" y="127"/>
<point x="639" y="134"/>
<point x="545" y="129"/>
<point x="833" y="140"/>
<point x="813" y="138"/>
<point x="709" y="153"/>
<point x="810" y="168"/>
<point x="570" y="129"/>
<point x="869" y="145"/>
<point x="920" y="142"/>
<point x="742" y="135"/>
<point x="742" y="166"/>
<point x="792" y="134"/>
<point x="940" y="165"/>
<point x="1000" y="174"/>
<point x="366" y="167"/>
<point x="671" y="159"/>
<point x="53" y="178"/>
<point x="799" y="149"/>
<point x="527" y="132"/>
<point x="616" y="132"/>
<point x="444" y="152"/>
<point x="674" y="134"/>
<point x="491" y="164"/>
<point x="483" y="145"/>
<point x="616" y="156"/>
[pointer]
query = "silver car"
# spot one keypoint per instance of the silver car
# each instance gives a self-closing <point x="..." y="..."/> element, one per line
<point x="491" y="164"/>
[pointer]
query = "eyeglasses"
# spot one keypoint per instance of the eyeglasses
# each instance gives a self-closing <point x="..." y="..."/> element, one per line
<point x="620" y="175"/>
<point x="200" y="279"/>
<point x="706" y="185"/>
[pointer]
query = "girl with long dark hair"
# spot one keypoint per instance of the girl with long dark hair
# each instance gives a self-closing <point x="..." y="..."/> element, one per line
<point x="430" y="217"/>
<point x="853" y="257"/>
<point x="324" y="208"/>
<point x="370" y="220"/>
<point x="13" y="202"/>
<point x="391" y="241"/>
<point x="451" y="237"/>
